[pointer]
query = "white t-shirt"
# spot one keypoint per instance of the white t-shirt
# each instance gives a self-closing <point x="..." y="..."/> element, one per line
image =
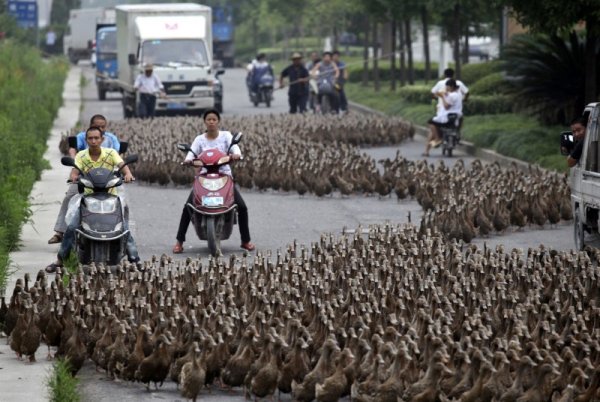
<point x="440" y="86"/>
<point x="454" y="99"/>
<point x="202" y="143"/>
<point x="148" y="85"/>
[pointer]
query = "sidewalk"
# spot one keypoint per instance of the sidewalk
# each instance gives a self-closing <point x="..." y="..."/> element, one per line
<point x="21" y="381"/>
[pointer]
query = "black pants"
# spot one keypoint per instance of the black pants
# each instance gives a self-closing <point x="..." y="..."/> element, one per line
<point x="343" y="105"/>
<point x="147" y="105"/>
<point x="333" y="101"/>
<point x="186" y="217"/>
<point x="297" y="102"/>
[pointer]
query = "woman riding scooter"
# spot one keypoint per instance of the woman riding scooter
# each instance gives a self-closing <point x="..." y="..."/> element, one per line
<point x="214" y="138"/>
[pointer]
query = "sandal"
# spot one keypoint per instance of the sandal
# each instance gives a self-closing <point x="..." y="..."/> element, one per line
<point x="57" y="238"/>
<point x="248" y="246"/>
<point x="178" y="248"/>
<point x="52" y="268"/>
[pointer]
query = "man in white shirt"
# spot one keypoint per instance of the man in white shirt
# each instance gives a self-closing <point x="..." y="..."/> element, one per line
<point x="440" y="86"/>
<point x="148" y="84"/>
<point x="452" y="101"/>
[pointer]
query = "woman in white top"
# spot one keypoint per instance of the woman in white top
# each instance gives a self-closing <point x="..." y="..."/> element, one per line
<point x="214" y="138"/>
<point x="451" y="103"/>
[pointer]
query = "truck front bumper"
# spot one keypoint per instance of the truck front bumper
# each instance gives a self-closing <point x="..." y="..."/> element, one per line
<point x="183" y="104"/>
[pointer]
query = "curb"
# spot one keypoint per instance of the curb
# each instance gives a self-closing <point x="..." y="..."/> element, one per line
<point x="468" y="147"/>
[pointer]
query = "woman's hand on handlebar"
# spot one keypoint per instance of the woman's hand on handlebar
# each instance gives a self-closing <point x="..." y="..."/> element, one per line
<point x="235" y="157"/>
<point x="186" y="163"/>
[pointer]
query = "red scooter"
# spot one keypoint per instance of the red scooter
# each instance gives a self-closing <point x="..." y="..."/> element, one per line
<point x="213" y="209"/>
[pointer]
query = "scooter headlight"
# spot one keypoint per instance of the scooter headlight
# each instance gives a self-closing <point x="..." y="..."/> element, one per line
<point x="224" y="160"/>
<point x="213" y="184"/>
<point x="101" y="206"/>
<point x="112" y="182"/>
<point x="197" y="163"/>
<point x="86" y="183"/>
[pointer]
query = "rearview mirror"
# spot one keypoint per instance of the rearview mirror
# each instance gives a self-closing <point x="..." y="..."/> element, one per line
<point x="130" y="159"/>
<point x="67" y="161"/>
<point x="184" y="147"/>
<point x="132" y="59"/>
<point x="236" y="138"/>
<point x="567" y="142"/>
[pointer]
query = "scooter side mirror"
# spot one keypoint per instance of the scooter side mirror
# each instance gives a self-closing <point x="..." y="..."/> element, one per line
<point x="237" y="138"/>
<point x="184" y="147"/>
<point x="67" y="161"/>
<point x="131" y="159"/>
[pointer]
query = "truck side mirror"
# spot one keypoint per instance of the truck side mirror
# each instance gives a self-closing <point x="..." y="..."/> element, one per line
<point x="132" y="59"/>
<point x="220" y="72"/>
<point x="566" y="142"/>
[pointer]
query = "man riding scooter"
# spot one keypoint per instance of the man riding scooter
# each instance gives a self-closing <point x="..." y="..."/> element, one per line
<point x="260" y="77"/>
<point x="451" y="105"/>
<point x="93" y="157"/>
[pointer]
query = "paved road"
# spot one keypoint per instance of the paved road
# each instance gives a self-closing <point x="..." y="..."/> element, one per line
<point x="276" y="219"/>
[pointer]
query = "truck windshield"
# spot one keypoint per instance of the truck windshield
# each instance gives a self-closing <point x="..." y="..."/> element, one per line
<point x="106" y="41"/>
<point x="184" y="51"/>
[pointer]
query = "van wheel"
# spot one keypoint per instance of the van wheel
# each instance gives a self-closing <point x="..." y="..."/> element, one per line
<point x="101" y="94"/>
<point x="449" y="152"/>
<point x="578" y="231"/>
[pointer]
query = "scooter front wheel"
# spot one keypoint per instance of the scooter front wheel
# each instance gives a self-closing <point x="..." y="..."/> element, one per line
<point x="211" y="236"/>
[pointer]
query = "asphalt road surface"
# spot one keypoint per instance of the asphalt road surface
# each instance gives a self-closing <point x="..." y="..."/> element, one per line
<point x="276" y="219"/>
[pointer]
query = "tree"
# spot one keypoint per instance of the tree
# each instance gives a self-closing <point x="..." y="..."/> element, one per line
<point x="553" y="16"/>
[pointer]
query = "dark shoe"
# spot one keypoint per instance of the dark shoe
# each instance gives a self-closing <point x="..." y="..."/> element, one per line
<point x="248" y="246"/>
<point x="52" y="268"/>
<point x="178" y="248"/>
<point x="57" y="238"/>
<point x="134" y="260"/>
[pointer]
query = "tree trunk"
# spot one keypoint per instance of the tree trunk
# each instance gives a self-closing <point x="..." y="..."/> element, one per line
<point x="456" y="17"/>
<point x="365" y="72"/>
<point x="408" y="41"/>
<point x="402" y="55"/>
<point x="591" y="39"/>
<point x="465" y="52"/>
<point x="254" y="36"/>
<point x="425" y="24"/>
<point x="335" y="37"/>
<point x="393" y="56"/>
<point x="375" y="39"/>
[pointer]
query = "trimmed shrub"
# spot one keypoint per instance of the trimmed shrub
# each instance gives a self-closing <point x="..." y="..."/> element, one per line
<point x="385" y="74"/>
<point x="491" y="104"/>
<point x="473" y="72"/>
<point x="489" y="85"/>
<point x="416" y="94"/>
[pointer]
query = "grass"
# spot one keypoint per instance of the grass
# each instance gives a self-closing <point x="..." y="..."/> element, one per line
<point x="62" y="386"/>
<point x="70" y="264"/>
<point x="515" y="135"/>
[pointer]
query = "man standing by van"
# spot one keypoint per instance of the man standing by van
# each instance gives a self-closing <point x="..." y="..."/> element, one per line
<point x="578" y="130"/>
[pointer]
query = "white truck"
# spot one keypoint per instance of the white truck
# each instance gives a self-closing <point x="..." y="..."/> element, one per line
<point x="81" y="32"/>
<point x="177" y="40"/>
<point x="585" y="178"/>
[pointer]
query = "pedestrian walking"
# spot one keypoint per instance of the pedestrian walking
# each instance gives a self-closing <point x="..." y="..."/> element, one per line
<point x="148" y="84"/>
<point x="298" y="77"/>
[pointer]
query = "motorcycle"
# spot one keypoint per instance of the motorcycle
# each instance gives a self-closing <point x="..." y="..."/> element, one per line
<point x="213" y="209"/>
<point x="102" y="235"/>
<point x="264" y="91"/>
<point x="450" y="134"/>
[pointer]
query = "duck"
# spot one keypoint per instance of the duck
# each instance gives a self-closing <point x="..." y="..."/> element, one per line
<point x="540" y="391"/>
<point x="264" y="383"/>
<point x="239" y="364"/>
<point x="75" y="350"/>
<point x="296" y="368"/>
<point x="136" y="357"/>
<point x="155" y="367"/>
<point x="305" y="391"/>
<point x="52" y="332"/>
<point x="337" y="385"/>
<point x="192" y="375"/>
<point x="31" y="336"/>
<point x="117" y="353"/>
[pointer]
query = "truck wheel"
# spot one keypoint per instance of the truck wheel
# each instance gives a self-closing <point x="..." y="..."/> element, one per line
<point x="101" y="93"/>
<point x="212" y="236"/>
<point x="449" y="152"/>
<point x="578" y="231"/>
<point x="72" y="57"/>
<point x="219" y="107"/>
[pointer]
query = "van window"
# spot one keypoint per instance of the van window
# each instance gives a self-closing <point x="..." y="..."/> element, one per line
<point x="591" y="160"/>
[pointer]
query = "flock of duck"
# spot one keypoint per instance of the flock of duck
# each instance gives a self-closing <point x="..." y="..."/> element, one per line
<point x="398" y="314"/>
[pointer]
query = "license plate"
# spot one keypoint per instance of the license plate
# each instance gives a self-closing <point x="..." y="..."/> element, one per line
<point x="175" y="105"/>
<point x="212" y="201"/>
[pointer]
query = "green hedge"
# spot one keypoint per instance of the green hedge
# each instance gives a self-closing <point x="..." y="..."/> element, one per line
<point x="385" y="73"/>
<point x="489" y="85"/>
<point x="31" y="95"/>
<point x="473" y="72"/>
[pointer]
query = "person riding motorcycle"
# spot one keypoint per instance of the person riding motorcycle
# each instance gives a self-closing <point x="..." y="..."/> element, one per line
<point x="214" y="138"/>
<point x="93" y="157"/>
<point x="259" y="68"/>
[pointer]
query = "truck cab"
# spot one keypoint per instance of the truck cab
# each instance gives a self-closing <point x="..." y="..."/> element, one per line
<point x="584" y="180"/>
<point x="106" y="59"/>
<point x="177" y="40"/>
